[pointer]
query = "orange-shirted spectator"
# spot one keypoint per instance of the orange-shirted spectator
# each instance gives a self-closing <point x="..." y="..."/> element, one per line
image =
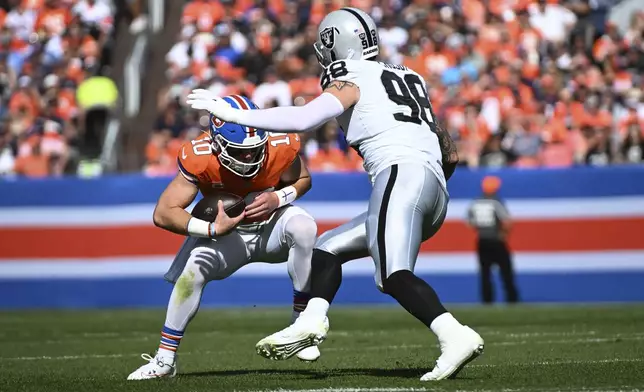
<point x="516" y="60"/>
<point x="598" y="118"/>
<point x="594" y="116"/>
<point x="33" y="4"/>
<point x="66" y="104"/>
<point x="35" y="164"/>
<point x="24" y="99"/>
<point x="474" y="126"/>
<point x="161" y="153"/>
<point x="306" y="88"/>
<point x="329" y="157"/>
<point x="354" y="161"/>
<point x="437" y="95"/>
<point x="438" y="61"/>
<point x="204" y="14"/>
<point x="489" y="38"/>
<point x="75" y="71"/>
<point x="506" y="98"/>
<point x="558" y="150"/>
<point x="89" y="47"/>
<point x="274" y="7"/>
<point x="474" y="12"/>
<point x="53" y="20"/>
<point x="320" y="8"/>
<point x="506" y="48"/>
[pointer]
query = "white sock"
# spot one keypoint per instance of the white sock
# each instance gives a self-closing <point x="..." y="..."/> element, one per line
<point x="162" y="352"/>
<point x="317" y="307"/>
<point x="444" y="324"/>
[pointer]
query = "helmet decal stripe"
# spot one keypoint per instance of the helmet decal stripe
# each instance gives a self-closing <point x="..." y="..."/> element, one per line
<point x="365" y="27"/>
<point x="244" y="106"/>
<point x="232" y="102"/>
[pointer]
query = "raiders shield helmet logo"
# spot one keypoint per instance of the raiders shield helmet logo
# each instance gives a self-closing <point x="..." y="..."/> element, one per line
<point x="327" y="36"/>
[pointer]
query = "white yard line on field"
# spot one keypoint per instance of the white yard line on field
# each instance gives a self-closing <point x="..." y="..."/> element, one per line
<point x="349" y="390"/>
<point x="67" y="357"/>
<point x="606" y="339"/>
<point x="569" y="341"/>
<point x="143" y="335"/>
<point x="207" y="352"/>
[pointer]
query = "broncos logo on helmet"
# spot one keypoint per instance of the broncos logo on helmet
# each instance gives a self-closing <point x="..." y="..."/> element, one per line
<point x="239" y="148"/>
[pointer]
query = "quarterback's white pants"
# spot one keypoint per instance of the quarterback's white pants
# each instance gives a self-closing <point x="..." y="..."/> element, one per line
<point x="289" y="235"/>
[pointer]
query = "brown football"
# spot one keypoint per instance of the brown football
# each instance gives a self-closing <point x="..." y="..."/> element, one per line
<point x="206" y="208"/>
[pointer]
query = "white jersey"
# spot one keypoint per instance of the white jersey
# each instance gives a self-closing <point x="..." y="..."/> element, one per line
<point x="392" y="122"/>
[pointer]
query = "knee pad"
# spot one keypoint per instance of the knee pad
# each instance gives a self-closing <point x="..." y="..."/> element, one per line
<point x="302" y="231"/>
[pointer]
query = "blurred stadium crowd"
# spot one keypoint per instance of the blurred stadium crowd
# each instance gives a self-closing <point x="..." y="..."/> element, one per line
<point x="521" y="83"/>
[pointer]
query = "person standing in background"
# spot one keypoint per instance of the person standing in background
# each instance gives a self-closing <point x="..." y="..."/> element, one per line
<point x="491" y="219"/>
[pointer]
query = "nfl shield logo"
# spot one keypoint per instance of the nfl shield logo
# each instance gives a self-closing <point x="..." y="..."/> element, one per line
<point x="327" y="36"/>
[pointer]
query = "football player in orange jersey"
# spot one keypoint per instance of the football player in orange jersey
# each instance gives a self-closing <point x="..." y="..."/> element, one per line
<point x="266" y="170"/>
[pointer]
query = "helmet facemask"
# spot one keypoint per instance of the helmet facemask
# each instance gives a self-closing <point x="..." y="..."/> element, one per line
<point x="243" y="160"/>
<point x="325" y="56"/>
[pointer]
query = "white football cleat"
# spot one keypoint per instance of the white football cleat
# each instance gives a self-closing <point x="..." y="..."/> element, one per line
<point x="309" y="354"/>
<point x="303" y="333"/>
<point x="156" y="367"/>
<point x="460" y="348"/>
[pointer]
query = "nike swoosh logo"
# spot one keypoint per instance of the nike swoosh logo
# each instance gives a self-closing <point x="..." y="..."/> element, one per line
<point x="183" y="153"/>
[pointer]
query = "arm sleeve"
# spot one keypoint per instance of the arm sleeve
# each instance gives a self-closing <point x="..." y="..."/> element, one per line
<point x="294" y="119"/>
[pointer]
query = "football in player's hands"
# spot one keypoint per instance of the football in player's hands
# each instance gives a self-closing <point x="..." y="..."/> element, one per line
<point x="207" y="208"/>
<point x="262" y="206"/>
<point x="223" y="223"/>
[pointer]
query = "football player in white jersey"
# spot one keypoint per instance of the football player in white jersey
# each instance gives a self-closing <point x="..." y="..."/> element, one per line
<point x="385" y="113"/>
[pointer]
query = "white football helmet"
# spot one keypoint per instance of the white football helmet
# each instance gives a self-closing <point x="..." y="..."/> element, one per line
<point x="347" y="33"/>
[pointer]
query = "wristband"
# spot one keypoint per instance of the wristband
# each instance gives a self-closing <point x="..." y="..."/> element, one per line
<point x="286" y="195"/>
<point x="201" y="228"/>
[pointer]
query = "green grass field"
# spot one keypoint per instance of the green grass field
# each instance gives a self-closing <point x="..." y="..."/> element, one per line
<point x="528" y="348"/>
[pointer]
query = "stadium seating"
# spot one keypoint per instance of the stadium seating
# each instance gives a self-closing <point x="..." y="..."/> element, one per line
<point x="518" y="83"/>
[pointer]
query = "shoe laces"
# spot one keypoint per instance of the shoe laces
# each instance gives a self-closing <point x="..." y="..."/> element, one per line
<point x="157" y="359"/>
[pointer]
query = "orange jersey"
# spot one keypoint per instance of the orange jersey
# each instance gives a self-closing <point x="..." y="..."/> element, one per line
<point x="200" y="166"/>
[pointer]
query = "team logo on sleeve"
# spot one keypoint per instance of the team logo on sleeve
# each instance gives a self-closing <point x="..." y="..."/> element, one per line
<point x="327" y="36"/>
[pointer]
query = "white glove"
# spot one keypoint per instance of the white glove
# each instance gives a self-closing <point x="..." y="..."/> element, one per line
<point x="201" y="99"/>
